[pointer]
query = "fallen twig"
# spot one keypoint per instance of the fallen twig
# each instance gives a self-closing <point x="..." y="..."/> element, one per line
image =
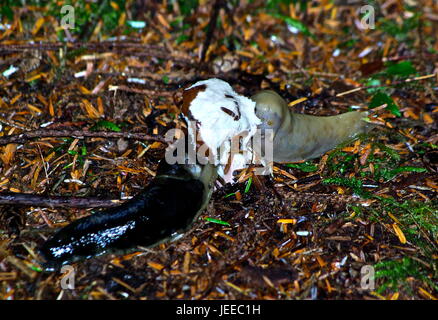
<point x="36" y="200"/>
<point x="310" y="197"/>
<point x="211" y="28"/>
<point x="80" y="134"/>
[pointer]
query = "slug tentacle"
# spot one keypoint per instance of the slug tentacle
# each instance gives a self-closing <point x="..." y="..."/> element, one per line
<point x="166" y="208"/>
<point x="300" y="137"/>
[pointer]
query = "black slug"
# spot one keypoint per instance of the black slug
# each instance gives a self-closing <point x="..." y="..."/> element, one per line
<point x="166" y="208"/>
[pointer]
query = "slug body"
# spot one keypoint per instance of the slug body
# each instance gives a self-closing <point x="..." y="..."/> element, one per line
<point x="177" y="195"/>
<point x="300" y="137"/>
<point x="162" y="211"/>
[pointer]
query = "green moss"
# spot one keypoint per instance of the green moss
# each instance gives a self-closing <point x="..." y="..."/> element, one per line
<point x="387" y="165"/>
<point x="419" y="221"/>
<point x="394" y="273"/>
<point x="353" y="183"/>
<point x="307" y="166"/>
<point x="105" y="124"/>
